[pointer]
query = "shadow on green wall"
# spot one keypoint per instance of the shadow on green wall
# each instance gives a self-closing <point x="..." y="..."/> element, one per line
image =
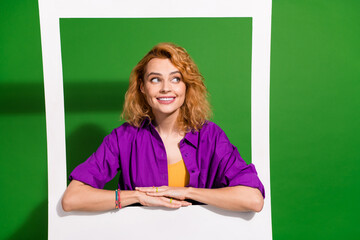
<point x="35" y="226"/>
<point x="81" y="143"/>
<point x="82" y="140"/>
<point x="21" y="98"/>
<point x="79" y="97"/>
<point x="100" y="96"/>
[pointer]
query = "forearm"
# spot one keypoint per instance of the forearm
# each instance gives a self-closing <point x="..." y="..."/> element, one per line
<point x="237" y="198"/>
<point x="81" y="197"/>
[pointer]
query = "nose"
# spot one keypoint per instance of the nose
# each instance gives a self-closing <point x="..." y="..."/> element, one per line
<point x="165" y="87"/>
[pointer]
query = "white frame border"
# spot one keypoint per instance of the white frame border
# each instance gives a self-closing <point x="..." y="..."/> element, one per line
<point x="61" y="225"/>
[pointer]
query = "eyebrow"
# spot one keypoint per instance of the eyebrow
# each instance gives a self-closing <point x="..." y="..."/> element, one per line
<point x="155" y="73"/>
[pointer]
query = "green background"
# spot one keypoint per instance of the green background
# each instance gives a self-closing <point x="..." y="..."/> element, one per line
<point x="314" y="115"/>
<point x="99" y="54"/>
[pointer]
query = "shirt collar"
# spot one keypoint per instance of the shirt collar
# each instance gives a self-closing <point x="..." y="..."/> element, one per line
<point x="192" y="137"/>
<point x="146" y="121"/>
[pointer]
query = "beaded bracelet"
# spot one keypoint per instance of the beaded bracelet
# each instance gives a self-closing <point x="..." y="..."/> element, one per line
<point x="119" y="202"/>
<point x="117" y="199"/>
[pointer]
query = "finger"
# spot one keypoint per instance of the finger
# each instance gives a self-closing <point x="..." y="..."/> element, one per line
<point x="185" y="203"/>
<point x="171" y="203"/>
<point x="150" y="189"/>
<point x="174" y="201"/>
<point x="144" y="189"/>
<point x="171" y="193"/>
<point x="156" y="194"/>
<point x="163" y="202"/>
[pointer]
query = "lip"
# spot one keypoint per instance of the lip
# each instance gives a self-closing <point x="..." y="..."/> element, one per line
<point x="166" y="97"/>
<point x="166" y="102"/>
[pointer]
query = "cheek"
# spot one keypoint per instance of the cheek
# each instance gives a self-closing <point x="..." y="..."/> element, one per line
<point x="181" y="90"/>
<point x="151" y="94"/>
<point x="150" y="99"/>
<point x="182" y="94"/>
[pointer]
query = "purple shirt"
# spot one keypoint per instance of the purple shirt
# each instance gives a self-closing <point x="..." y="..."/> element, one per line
<point x="210" y="158"/>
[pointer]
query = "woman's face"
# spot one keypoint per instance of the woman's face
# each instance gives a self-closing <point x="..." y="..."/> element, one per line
<point x="163" y="87"/>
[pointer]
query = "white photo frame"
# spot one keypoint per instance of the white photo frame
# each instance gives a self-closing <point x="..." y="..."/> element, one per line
<point x="155" y="223"/>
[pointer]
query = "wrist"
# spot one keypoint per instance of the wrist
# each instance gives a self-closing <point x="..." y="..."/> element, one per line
<point x="128" y="197"/>
<point x="137" y="195"/>
<point x="189" y="192"/>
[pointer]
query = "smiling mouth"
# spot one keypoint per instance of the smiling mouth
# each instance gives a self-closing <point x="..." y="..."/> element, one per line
<point x="166" y="100"/>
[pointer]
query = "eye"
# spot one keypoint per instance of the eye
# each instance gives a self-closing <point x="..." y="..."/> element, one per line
<point x="176" y="79"/>
<point x="155" y="80"/>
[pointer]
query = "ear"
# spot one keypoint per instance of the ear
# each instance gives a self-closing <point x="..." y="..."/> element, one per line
<point x="142" y="87"/>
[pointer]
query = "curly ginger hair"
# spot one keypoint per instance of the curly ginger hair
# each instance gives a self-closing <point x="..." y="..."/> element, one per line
<point x="196" y="108"/>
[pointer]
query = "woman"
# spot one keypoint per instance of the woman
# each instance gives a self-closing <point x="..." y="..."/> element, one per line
<point x="167" y="151"/>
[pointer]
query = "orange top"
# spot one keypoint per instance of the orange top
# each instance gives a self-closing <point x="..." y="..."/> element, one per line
<point x="178" y="174"/>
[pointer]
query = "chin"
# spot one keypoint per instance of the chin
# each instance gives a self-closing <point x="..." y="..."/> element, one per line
<point x="167" y="111"/>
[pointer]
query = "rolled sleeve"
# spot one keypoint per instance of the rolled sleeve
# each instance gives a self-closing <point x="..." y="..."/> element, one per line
<point x="101" y="166"/>
<point x="237" y="172"/>
<point x="233" y="170"/>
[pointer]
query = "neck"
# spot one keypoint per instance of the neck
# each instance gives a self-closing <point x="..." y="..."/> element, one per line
<point x="166" y="124"/>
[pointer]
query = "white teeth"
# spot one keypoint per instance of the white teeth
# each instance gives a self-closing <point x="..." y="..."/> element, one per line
<point x="165" y="99"/>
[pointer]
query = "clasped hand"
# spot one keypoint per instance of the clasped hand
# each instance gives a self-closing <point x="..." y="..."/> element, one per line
<point x="164" y="196"/>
